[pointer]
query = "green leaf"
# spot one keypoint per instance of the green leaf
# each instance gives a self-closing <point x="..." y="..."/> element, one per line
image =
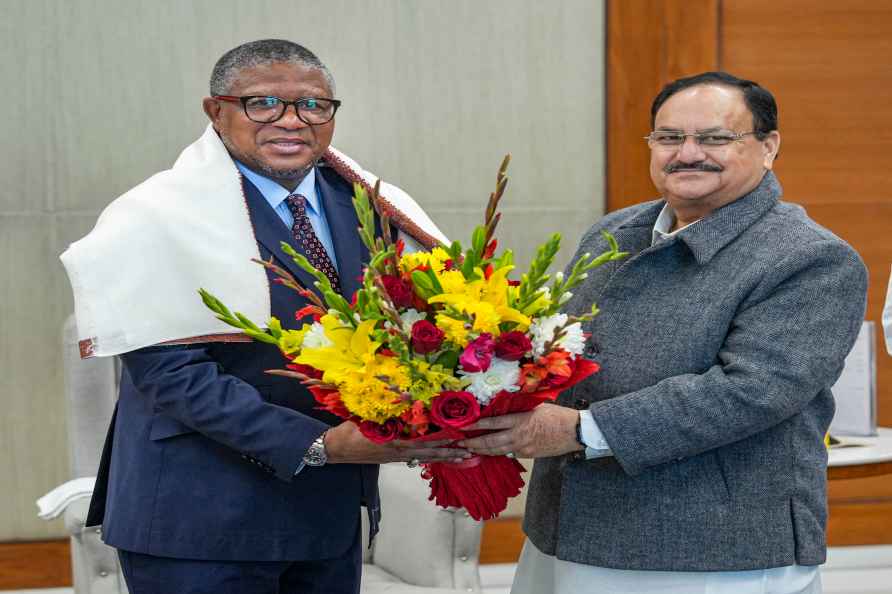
<point x="275" y="327"/>
<point x="422" y="281"/>
<point x="435" y="282"/>
<point x="455" y="251"/>
<point x="448" y="359"/>
<point x="261" y="336"/>
<point x="478" y="241"/>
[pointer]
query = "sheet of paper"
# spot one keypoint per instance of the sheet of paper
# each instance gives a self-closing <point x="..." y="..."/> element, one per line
<point x="855" y="391"/>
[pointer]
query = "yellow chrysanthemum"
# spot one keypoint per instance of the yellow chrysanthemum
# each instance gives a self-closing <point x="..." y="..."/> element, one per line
<point x="372" y="392"/>
<point x="434" y="259"/>
<point x="452" y="281"/>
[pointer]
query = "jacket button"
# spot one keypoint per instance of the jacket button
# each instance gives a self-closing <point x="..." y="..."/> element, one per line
<point x="580" y="404"/>
<point x="578" y="456"/>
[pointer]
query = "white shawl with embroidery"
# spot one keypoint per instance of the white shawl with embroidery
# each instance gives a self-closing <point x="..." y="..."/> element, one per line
<point x="135" y="276"/>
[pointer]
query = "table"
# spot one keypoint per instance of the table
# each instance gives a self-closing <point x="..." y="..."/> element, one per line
<point x="873" y="457"/>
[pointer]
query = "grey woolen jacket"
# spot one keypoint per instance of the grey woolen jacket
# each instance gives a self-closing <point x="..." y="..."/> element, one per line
<point x="718" y="349"/>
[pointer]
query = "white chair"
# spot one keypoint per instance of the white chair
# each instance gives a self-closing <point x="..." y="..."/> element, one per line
<point x="420" y="549"/>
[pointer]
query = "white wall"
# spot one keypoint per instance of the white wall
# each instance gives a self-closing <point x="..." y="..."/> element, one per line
<point x="100" y="94"/>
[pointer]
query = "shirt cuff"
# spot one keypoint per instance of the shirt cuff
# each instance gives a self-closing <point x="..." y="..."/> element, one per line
<point x="595" y="444"/>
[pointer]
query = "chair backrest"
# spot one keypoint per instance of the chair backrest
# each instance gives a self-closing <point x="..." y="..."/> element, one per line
<point x="91" y="390"/>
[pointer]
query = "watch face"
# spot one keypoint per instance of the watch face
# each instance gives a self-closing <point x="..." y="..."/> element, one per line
<point x="315" y="456"/>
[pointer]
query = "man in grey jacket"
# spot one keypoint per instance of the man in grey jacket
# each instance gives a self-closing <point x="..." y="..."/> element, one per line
<point x="694" y="460"/>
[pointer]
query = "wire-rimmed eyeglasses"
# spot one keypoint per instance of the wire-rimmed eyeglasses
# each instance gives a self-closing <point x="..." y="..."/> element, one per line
<point x="671" y="138"/>
<point x="266" y="109"/>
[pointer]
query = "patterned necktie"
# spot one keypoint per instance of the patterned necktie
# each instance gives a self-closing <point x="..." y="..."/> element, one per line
<point x="306" y="238"/>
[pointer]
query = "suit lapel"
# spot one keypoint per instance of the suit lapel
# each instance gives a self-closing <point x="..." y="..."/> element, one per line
<point x="270" y="231"/>
<point x="351" y="254"/>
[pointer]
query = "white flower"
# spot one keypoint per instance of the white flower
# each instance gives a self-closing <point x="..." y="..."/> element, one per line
<point x="544" y="329"/>
<point x="573" y="340"/>
<point x="315" y="338"/>
<point x="408" y="318"/>
<point x="501" y="375"/>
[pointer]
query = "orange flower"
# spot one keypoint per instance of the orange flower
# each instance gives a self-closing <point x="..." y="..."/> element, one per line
<point x="552" y="370"/>
<point x="416" y="418"/>
<point x="557" y="363"/>
<point x="531" y="375"/>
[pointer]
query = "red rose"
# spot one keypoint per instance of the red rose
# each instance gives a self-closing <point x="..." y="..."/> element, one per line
<point x="400" y="291"/>
<point x="513" y="346"/>
<point x="378" y="433"/>
<point x="454" y="409"/>
<point x="478" y="354"/>
<point x="426" y="338"/>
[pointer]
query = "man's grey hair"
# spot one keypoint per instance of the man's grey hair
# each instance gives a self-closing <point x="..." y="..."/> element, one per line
<point x="260" y="53"/>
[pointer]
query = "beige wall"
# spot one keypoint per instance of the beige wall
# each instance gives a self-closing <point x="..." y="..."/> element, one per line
<point x="102" y="93"/>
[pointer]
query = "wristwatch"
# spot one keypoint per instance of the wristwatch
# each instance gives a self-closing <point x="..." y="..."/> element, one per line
<point x="316" y="455"/>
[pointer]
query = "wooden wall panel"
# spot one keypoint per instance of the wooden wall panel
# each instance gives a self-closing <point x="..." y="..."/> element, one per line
<point x="827" y="64"/>
<point x="649" y="43"/>
<point x="27" y="565"/>
<point x="502" y="540"/>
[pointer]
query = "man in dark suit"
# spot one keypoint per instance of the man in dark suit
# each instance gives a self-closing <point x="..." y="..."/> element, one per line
<point x="216" y="476"/>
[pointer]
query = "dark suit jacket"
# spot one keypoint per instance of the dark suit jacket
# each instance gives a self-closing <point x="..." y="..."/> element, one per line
<point x="200" y="459"/>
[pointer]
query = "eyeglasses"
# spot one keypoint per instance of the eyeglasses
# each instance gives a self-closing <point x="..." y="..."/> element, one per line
<point x="267" y="109"/>
<point x="665" y="138"/>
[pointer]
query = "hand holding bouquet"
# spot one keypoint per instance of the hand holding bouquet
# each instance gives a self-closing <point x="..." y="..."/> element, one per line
<point x="434" y="341"/>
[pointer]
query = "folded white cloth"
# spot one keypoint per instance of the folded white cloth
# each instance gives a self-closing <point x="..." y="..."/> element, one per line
<point x="53" y="504"/>
<point x="136" y="275"/>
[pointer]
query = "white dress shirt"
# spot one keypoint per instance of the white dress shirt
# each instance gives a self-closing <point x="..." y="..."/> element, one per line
<point x="538" y="573"/>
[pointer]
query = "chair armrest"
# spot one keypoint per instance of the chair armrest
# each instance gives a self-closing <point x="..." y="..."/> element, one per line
<point x="421" y="543"/>
<point x="53" y="504"/>
<point x="76" y="517"/>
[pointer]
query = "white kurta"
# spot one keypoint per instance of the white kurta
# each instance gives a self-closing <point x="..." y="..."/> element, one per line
<point x="538" y="573"/>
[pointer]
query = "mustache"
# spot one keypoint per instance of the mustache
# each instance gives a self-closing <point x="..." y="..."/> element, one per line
<point x="698" y="166"/>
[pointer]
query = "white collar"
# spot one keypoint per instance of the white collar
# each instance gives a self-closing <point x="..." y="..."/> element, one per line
<point x="664" y="223"/>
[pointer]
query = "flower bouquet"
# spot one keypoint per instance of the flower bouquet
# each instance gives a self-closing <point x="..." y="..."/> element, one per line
<point x="433" y="341"/>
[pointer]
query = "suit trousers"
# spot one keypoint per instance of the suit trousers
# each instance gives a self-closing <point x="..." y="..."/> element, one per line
<point x="148" y="574"/>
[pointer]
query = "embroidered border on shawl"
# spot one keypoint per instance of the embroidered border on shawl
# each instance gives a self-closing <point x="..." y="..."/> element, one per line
<point x="222" y="337"/>
<point x="87" y="346"/>
<point x="399" y="218"/>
